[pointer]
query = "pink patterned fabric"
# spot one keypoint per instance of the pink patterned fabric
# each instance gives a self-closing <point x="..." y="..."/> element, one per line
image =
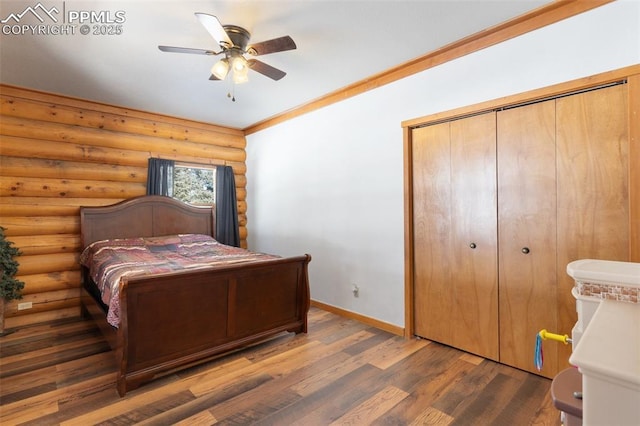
<point x="109" y="261"/>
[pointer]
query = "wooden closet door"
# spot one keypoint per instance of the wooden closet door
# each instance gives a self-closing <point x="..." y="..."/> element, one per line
<point x="431" y="225"/>
<point x="527" y="232"/>
<point x="593" y="187"/>
<point x="474" y="280"/>
<point x="455" y="285"/>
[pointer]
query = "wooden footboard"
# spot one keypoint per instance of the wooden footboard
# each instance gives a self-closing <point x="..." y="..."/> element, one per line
<point x="174" y="320"/>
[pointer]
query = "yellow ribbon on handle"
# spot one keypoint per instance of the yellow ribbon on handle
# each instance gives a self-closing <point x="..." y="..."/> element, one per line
<point x="545" y="335"/>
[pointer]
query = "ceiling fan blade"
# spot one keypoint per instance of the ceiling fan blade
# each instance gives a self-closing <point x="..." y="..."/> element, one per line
<point x="279" y="44"/>
<point x="213" y="78"/>
<point x="214" y="27"/>
<point x="187" y="50"/>
<point x="264" y="69"/>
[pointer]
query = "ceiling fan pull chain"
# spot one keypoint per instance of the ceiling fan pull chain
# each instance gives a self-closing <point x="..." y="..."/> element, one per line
<point x="232" y="95"/>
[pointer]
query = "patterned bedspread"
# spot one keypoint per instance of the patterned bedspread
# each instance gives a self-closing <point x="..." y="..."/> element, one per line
<point x="109" y="261"/>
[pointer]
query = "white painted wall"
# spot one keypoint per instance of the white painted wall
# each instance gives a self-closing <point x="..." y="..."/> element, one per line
<point x="330" y="183"/>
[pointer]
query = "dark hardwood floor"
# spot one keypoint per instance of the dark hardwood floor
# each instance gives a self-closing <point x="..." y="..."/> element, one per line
<point x="342" y="372"/>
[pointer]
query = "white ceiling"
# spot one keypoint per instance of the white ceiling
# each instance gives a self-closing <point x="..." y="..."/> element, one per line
<point x="339" y="43"/>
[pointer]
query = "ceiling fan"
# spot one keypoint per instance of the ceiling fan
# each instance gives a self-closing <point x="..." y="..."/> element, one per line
<point x="233" y="42"/>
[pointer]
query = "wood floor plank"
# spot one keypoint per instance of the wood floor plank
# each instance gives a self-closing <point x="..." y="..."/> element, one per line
<point x="349" y="340"/>
<point x="547" y="414"/>
<point x="144" y="413"/>
<point x="341" y="372"/>
<point x="215" y="382"/>
<point x="419" y="366"/>
<point x="396" y="350"/>
<point x="402" y="374"/>
<point x="279" y="363"/>
<point x="328" y="403"/>
<point x="74" y="371"/>
<point x="34" y="412"/>
<point x="283" y="361"/>
<point x="278" y="393"/>
<point x="142" y="397"/>
<point x="195" y="405"/>
<point x="431" y="416"/>
<point x="314" y="383"/>
<point x="51" y="356"/>
<point x="485" y="405"/>
<point x="473" y="359"/>
<point x="203" y="418"/>
<point x="214" y="363"/>
<point x="50" y="378"/>
<point x="338" y="330"/>
<point x="469" y="385"/>
<point x="50" y="330"/>
<point x="23" y="382"/>
<point x="37" y="406"/>
<point x="523" y="407"/>
<point x="42" y="351"/>
<point x="261" y="402"/>
<point x="273" y="347"/>
<point x="31" y="391"/>
<point x="80" y="403"/>
<point x="261" y="409"/>
<point x="374" y="341"/>
<point x="373" y="408"/>
<point x="30" y="345"/>
<point x="429" y="388"/>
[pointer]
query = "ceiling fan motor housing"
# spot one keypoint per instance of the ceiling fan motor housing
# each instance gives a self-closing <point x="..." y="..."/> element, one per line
<point x="238" y="35"/>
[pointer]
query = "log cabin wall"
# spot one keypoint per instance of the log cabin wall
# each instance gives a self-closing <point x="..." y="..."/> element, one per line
<point x="59" y="153"/>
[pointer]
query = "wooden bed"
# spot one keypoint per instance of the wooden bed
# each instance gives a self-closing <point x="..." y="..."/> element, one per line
<point x="173" y="320"/>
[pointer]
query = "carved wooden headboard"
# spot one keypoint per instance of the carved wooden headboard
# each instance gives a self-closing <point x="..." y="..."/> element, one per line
<point x="144" y="216"/>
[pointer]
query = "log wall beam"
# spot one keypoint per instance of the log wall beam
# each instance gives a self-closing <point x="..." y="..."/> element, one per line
<point x="59" y="153"/>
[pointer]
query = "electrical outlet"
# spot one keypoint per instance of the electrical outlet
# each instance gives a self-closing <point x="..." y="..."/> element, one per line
<point x="356" y="290"/>
<point x="25" y="305"/>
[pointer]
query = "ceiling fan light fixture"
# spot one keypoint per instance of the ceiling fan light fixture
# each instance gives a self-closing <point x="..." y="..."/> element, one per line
<point x="241" y="75"/>
<point x="220" y="69"/>
<point x="239" y="64"/>
<point x="239" y="68"/>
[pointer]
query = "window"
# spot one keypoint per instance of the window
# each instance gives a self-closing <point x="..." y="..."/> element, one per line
<point x="194" y="184"/>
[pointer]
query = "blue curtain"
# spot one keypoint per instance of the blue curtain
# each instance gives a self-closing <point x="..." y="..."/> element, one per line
<point x="227" y="231"/>
<point x="160" y="177"/>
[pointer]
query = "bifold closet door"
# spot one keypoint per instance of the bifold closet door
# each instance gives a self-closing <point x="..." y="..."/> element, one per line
<point x="454" y="193"/>
<point x="593" y="187"/>
<point x="527" y="232"/>
<point x="502" y="202"/>
<point x="431" y="226"/>
<point x="474" y="238"/>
